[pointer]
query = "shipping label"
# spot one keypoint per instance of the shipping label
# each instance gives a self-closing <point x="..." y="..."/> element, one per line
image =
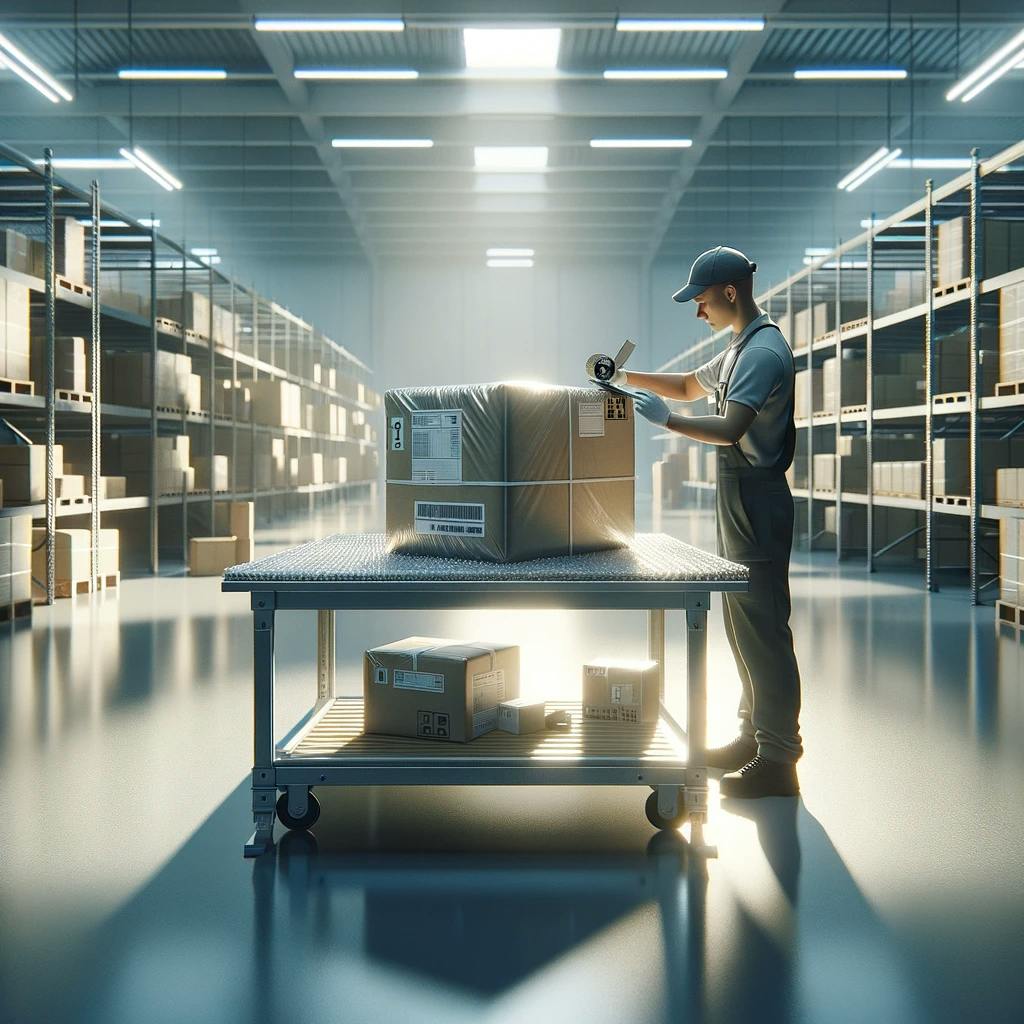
<point x="485" y="721"/>
<point x="488" y="690"/>
<point x="406" y="679"/>
<point x="455" y="518"/>
<point x="597" y="670"/>
<point x="621" y="693"/>
<point x="590" y="416"/>
<point x="437" y="446"/>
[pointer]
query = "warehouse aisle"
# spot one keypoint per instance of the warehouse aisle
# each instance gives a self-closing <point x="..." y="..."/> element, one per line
<point x="892" y="891"/>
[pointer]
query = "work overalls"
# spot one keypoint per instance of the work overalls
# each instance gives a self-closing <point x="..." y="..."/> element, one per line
<point x="755" y="527"/>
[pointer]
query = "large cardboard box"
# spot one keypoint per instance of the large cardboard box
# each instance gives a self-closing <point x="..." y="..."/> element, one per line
<point x="69" y="363"/>
<point x="807" y="384"/>
<point x="1001" y="248"/>
<point x="1011" y="333"/>
<point x="72" y="560"/>
<point x="311" y="469"/>
<point x="1011" y="561"/>
<point x="215" y="478"/>
<point x="15" y="559"/>
<point x="853" y="383"/>
<point x="23" y="471"/>
<point x="194" y="317"/>
<point x="127" y="377"/>
<point x="15" y="333"/>
<point x="438" y="689"/>
<point x="621" y="691"/>
<point x="276" y="403"/>
<point x="504" y="472"/>
<point x="69" y="249"/>
<point x="210" y="556"/>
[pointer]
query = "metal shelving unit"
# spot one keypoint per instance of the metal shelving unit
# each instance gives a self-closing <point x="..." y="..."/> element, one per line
<point x="31" y="199"/>
<point x="920" y="322"/>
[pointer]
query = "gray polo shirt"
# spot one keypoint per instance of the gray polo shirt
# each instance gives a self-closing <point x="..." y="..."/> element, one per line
<point x="762" y="380"/>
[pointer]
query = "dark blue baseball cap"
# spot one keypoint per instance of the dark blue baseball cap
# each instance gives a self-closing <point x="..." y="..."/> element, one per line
<point x="720" y="265"/>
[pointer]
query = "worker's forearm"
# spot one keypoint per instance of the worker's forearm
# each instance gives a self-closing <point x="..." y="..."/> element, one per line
<point x="709" y="429"/>
<point x="668" y="385"/>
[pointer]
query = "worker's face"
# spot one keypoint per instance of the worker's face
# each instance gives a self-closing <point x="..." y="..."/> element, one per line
<point x="717" y="305"/>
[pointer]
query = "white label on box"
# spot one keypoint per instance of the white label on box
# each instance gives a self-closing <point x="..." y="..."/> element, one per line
<point x="621" y="693"/>
<point x="488" y="690"/>
<point x="485" y="721"/>
<point x="380" y="675"/>
<point x="591" y="419"/>
<point x="460" y="519"/>
<point x="437" y="446"/>
<point x="405" y="679"/>
<point x="397" y="433"/>
<point x="597" y="670"/>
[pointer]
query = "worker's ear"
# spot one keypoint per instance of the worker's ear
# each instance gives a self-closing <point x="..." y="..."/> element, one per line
<point x="729" y="291"/>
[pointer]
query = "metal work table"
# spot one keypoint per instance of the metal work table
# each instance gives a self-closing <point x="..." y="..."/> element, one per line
<point x="328" y="747"/>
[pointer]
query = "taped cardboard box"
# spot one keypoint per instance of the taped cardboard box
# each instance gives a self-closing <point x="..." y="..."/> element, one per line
<point x="69" y="363"/>
<point x="521" y="716"/>
<point x="505" y="472"/>
<point x="1011" y="333"/>
<point x="621" y="691"/>
<point x="210" y="556"/>
<point x="23" y="471"/>
<point x="438" y="689"/>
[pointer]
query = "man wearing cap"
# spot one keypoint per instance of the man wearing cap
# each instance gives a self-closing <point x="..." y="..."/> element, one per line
<point x="753" y="430"/>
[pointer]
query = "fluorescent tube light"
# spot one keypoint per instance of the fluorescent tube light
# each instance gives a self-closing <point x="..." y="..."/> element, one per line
<point x="993" y="67"/>
<point x="356" y="74"/>
<point x="902" y="224"/>
<point x="329" y="25"/>
<point x="689" y="25"/>
<point x="851" y="74"/>
<point x="146" y="222"/>
<point x="134" y="239"/>
<point x="145" y="163"/>
<point x="203" y="252"/>
<point x="104" y="223"/>
<point x="873" y="169"/>
<point x="511" y="49"/>
<point x="664" y="74"/>
<point x="382" y="143"/>
<point x="87" y="163"/>
<point x="810" y="261"/>
<point x="937" y="163"/>
<point x="508" y="264"/>
<point x="816" y="252"/>
<point x="507" y="253"/>
<point x="510" y="158"/>
<point x="173" y="74"/>
<point x="641" y="143"/>
<point x="29" y="71"/>
<point x="879" y="154"/>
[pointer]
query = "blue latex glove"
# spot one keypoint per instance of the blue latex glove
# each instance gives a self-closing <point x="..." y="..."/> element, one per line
<point x="652" y="407"/>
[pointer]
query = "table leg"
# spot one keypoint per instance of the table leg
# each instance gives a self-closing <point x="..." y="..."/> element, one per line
<point x="326" y="689"/>
<point x="264" y="787"/>
<point x="656" y="645"/>
<point x="696" y="793"/>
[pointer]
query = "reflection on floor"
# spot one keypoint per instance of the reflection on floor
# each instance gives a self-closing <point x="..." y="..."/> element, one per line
<point x="892" y="891"/>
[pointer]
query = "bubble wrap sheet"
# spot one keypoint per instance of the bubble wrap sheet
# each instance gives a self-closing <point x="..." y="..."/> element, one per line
<point x="650" y="558"/>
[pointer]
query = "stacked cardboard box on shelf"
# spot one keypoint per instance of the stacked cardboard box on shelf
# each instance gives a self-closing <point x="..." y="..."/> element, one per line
<point x="23" y="471"/>
<point x="238" y="519"/>
<point x="311" y="469"/>
<point x="15" y="560"/>
<point x="854" y="382"/>
<point x="807" y="384"/>
<point x="1011" y="333"/>
<point x="335" y="469"/>
<point x="210" y="556"/>
<point x="130" y="456"/>
<point x="954" y="369"/>
<point x="899" y="479"/>
<point x="824" y="466"/>
<point x="909" y="288"/>
<point x="1001" y="248"/>
<point x="853" y="451"/>
<point x="193" y="316"/>
<point x="69" y="249"/>
<point x="21" y="253"/>
<point x="1010" y="487"/>
<point x="1011" y="561"/>
<point x="125" y="290"/>
<point x="69" y="363"/>
<point x="227" y="392"/>
<point x="669" y="474"/>
<point x="276" y="403"/>
<point x="15" y="331"/>
<point x="212" y="474"/>
<point x="951" y="470"/>
<point x="126" y="380"/>
<point x="73" y="560"/>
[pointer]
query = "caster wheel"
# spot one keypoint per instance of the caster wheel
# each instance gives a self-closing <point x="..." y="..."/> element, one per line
<point x="307" y="821"/>
<point x="654" y="815"/>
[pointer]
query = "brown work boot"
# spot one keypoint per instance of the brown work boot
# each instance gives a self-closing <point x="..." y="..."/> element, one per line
<point x="761" y="777"/>
<point x="733" y="755"/>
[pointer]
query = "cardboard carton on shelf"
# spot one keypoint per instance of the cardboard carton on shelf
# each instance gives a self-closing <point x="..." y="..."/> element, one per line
<point x="1010" y="487"/>
<point x="126" y="379"/>
<point x="212" y="474"/>
<point x="195" y="316"/>
<point x="1011" y="333"/>
<point x="15" y="331"/>
<point x="15" y="560"/>
<point x="69" y="363"/>
<point x="824" y="467"/>
<point x="276" y="403"/>
<point x="1011" y="561"/>
<point x="616" y="690"/>
<point x="69" y="249"/>
<point x="504" y="472"/>
<point x="311" y="469"/>
<point x="438" y="689"/>
<point x="853" y="382"/>
<point x="23" y="471"/>
<point x="1001" y="248"/>
<point x="807" y="385"/>
<point x="72" y="562"/>
<point x="17" y="253"/>
<point x="521" y="716"/>
<point x="210" y="556"/>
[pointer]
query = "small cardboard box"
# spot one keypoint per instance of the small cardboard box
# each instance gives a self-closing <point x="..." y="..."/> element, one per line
<point x="23" y="471"/>
<point x="521" y="716"/>
<point x="621" y="691"/>
<point x="438" y="689"/>
<point x="210" y="556"/>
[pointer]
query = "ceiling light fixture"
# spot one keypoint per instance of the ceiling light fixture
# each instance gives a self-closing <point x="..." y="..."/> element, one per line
<point x="29" y="71"/>
<point x="689" y="25"/>
<point x="850" y="74"/>
<point x="87" y="163"/>
<point x="1008" y="56"/>
<point x="870" y="167"/>
<point x="145" y="163"/>
<point x="902" y="224"/>
<point x="509" y="253"/>
<point x="203" y="252"/>
<point x="510" y="158"/>
<point x="509" y="264"/>
<point x="664" y="74"/>
<point x="356" y="74"/>
<point x="934" y="163"/>
<point x="511" y="50"/>
<point x="641" y="143"/>
<point x="172" y="74"/>
<point x="329" y="25"/>
<point x="382" y="143"/>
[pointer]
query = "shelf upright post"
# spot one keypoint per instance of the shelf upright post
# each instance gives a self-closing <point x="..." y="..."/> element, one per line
<point x="154" y="508"/>
<point x="183" y="425"/>
<point x="51" y="411"/>
<point x="977" y="272"/>
<point x="810" y="410"/>
<point x="929" y="392"/>
<point x="255" y="303"/>
<point x="838" y="469"/>
<point x="869" y="394"/>
<point x="234" y="395"/>
<point x="94" y="386"/>
<point x="211" y="381"/>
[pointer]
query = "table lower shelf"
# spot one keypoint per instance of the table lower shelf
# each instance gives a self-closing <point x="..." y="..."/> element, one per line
<point x="615" y="753"/>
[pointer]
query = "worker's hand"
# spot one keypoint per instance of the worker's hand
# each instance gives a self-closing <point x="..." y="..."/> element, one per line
<point x="652" y="407"/>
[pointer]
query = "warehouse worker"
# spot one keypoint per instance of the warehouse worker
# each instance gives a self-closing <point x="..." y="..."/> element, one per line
<point x="752" y="381"/>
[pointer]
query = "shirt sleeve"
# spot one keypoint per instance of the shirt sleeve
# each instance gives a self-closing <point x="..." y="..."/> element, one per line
<point x="758" y="373"/>
<point x="707" y="375"/>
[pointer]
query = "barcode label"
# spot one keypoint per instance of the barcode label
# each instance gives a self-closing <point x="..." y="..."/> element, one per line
<point x="405" y="679"/>
<point x="437" y="446"/>
<point x="460" y="519"/>
<point x="590" y="416"/>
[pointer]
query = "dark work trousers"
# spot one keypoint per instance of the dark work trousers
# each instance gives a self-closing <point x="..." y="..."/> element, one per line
<point x="755" y="527"/>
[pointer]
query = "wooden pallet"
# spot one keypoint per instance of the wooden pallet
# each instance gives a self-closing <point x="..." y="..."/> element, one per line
<point x="1010" y="504"/>
<point x="853" y="409"/>
<point x="822" y="413"/>
<point x="72" y="286"/>
<point x="73" y="396"/>
<point x="10" y="386"/>
<point x="20" y="610"/>
<point x="196" y="338"/>
<point x="827" y="336"/>
<point x="853" y="325"/>
<point x="1011" y="615"/>
<point x="1010" y="387"/>
<point x="82" y="499"/>
<point x="952" y="398"/>
<point x="106" y="582"/>
<point x="956" y="500"/>
<point x="168" y="326"/>
<point x="951" y="289"/>
<point x="63" y="588"/>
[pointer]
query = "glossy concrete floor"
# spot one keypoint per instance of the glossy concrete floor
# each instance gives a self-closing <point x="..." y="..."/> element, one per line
<point x="893" y="891"/>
